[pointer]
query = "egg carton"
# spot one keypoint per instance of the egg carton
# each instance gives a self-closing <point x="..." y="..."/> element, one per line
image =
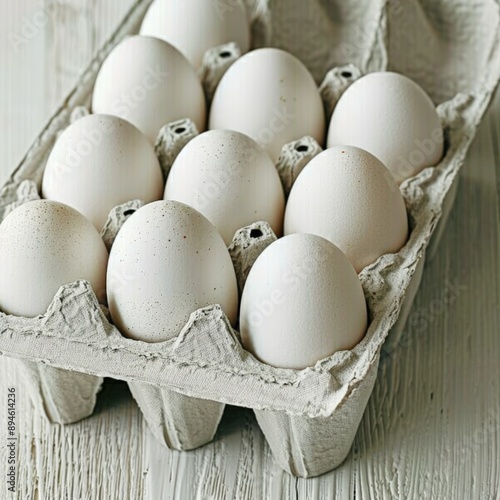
<point x="309" y="417"/>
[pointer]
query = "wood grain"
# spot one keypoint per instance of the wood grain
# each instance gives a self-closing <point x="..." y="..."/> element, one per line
<point x="22" y="82"/>
<point x="431" y="428"/>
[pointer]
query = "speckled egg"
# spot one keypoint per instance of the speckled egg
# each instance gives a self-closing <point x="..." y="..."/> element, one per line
<point x="148" y="82"/>
<point x="194" y="26"/>
<point x="230" y="179"/>
<point x="167" y="261"/>
<point x="269" y="95"/>
<point x="347" y="196"/>
<point x="302" y="302"/>
<point x="392" y="117"/>
<point x="44" y="245"/>
<point x="99" y="162"/>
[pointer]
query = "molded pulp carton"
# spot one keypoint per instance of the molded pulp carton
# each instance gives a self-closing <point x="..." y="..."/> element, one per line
<point x="309" y="417"/>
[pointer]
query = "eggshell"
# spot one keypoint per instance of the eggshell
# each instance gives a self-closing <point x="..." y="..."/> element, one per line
<point x="230" y="179"/>
<point x="99" y="162"/>
<point x="194" y="26"/>
<point x="390" y="116"/>
<point x="269" y="95"/>
<point x="347" y="196"/>
<point x="45" y="245"/>
<point x="166" y="262"/>
<point x="149" y="83"/>
<point x="302" y="302"/>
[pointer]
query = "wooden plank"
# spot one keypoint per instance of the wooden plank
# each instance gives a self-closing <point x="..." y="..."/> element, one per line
<point x="76" y="31"/>
<point x="23" y="109"/>
<point x="432" y="425"/>
<point x="44" y="47"/>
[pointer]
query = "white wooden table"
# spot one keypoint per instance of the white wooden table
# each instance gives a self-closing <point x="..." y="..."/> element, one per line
<point x="432" y="427"/>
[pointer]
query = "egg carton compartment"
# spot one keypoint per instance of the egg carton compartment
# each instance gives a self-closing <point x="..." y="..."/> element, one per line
<point x="177" y="421"/>
<point x="309" y="417"/>
<point x="184" y="422"/>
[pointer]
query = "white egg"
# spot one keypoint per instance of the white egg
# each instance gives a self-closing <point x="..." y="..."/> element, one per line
<point x="45" y="245"/>
<point x="390" y="116"/>
<point x="149" y="83"/>
<point x="269" y="95"/>
<point x="347" y="196"/>
<point x="194" y="26"/>
<point x="99" y="162"/>
<point x="230" y="179"/>
<point x="166" y="262"/>
<point x="302" y="302"/>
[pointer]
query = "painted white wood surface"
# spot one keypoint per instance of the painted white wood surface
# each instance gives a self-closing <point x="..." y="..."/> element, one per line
<point x="432" y="426"/>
